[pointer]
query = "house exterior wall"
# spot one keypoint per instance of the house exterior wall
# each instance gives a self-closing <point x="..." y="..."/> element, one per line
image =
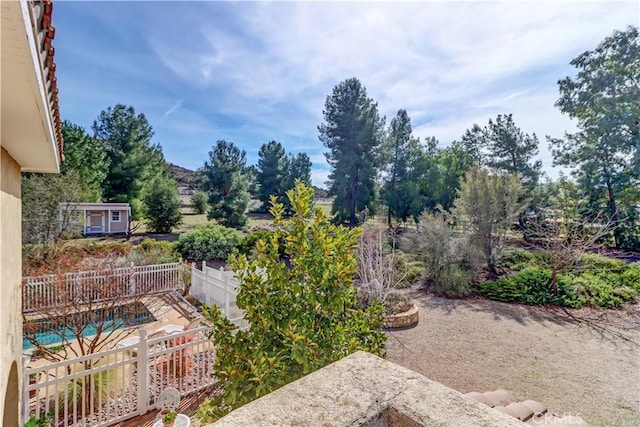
<point x="10" y="279"/>
<point x="119" y="226"/>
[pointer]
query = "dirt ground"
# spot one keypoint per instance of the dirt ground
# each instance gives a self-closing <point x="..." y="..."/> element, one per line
<point x="577" y="362"/>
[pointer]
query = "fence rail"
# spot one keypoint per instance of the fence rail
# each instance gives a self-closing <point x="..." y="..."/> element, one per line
<point x="104" y="388"/>
<point x="60" y="290"/>
<point x="219" y="288"/>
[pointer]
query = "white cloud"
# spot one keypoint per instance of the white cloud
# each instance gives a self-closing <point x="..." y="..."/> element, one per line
<point x="256" y="71"/>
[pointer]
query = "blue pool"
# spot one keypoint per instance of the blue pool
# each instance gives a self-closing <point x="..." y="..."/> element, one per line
<point x="53" y="331"/>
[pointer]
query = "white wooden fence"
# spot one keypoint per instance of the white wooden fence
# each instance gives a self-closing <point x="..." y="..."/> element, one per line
<point x="219" y="288"/>
<point x="48" y="291"/>
<point x="104" y="388"/>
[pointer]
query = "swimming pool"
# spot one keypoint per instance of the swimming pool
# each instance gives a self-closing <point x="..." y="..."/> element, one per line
<point x="52" y="331"/>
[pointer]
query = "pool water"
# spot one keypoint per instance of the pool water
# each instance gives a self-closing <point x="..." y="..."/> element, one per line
<point x="52" y="331"/>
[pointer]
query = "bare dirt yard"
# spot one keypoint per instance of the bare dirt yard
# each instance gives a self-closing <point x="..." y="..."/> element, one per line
<point x="577" y="362"/>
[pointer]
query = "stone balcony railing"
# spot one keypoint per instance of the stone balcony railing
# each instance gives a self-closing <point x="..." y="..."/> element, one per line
<point x="365" y="390"/>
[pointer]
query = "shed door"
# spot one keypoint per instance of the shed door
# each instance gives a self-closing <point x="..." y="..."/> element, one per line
<point x="96" y="222"/>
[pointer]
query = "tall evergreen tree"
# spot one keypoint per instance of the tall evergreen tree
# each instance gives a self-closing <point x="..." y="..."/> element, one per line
<point x="603" y="98"/>
<point x="397" y="141"/>
<point x="87" y="156"/>
<point x="513" y="151"/>
<point x="134" y="160"/>
<point x="504" y="148"/>
<point x="226" y="185"/>
<point x="272" y="170"/>
<point x="352" y="131"/>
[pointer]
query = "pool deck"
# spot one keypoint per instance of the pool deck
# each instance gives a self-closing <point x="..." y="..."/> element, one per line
<point x="166" y="308"/>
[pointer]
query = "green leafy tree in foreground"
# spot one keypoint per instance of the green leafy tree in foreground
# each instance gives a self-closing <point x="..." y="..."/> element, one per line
<point x="302" y="316"/>
<point x="162" y="205"/>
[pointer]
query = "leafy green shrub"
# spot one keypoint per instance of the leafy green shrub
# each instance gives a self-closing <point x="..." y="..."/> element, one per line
<point x="396" y="303"/>
<point x="595" y="263"/>
<point x="631" y="276"/>
<point x="301" y="316"/>
<point x="208" y="241"/>
<point x="442" y="253"/>
<point x="249" y="241"/>
<point x="456" y="284"/>
<point x="200" y="201"/>
<point x="605" y="290"/>
<point x="530" y="286"/>
<point x="406" y="272"/>
<point x="151" y="251"/>
<point x="516" y="258"/>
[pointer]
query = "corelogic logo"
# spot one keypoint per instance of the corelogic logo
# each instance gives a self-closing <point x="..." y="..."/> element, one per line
<point x="551" y="419"/>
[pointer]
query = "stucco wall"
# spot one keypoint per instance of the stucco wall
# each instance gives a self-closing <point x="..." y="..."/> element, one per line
<point x="10" y="278"/>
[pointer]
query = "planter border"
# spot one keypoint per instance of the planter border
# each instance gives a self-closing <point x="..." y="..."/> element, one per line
<point x="405" y="319"/>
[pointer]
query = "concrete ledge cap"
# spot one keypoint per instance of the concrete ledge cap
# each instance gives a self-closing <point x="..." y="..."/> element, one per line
<point x="359" y="390"/>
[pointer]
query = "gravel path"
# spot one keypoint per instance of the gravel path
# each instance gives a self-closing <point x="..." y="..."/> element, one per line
<point x="580" y="362"/>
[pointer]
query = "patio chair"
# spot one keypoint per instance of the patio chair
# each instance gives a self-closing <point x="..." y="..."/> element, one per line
<point x="169" y="399"/>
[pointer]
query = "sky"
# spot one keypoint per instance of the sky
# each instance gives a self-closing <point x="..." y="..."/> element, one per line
<point x="252" y="72"/>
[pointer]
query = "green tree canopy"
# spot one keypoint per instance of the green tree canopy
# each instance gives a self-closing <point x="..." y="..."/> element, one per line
<point x="226" y="185"/>
<point x="397" y="198"/>
<point x="505" y="148"/>
<point x="603" y="97"/>
<point x="134" y="161"/>
<point x="162" y="205"/>
<point x="87" y="156"/>
<point x="272" y="170"/>
<point x="352" y="131"/>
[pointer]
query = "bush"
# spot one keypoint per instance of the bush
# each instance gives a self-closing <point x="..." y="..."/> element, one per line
<point x="249" y="241"/>
<point x="456" y="285"/>
<point x="595" y="263"/>
<point x="516" y="258"/>
<point x="396" y="303"/>
<point x="302" y="316"/>
<point x="152" y="251"/>
<point x="208" y="242"/>
<point x="531" y="286"/>
<point x="442" y="253"/>
<point x="601" y="290"/>
<point x="631" y="277"/>
<point x="200" y="201"/>
<point x="162" y="206"/>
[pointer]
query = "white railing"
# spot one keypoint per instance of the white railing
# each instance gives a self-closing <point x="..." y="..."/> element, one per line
<point x="219" y="288"/>
<point x="104" y="388"/>
<point x="45" y="291"/>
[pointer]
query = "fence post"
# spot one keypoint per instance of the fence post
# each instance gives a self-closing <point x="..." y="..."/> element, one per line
<point x="226" y="291"/>
<point x="142" y="356"/>
<point x="132" y="281"/>
<point x="25" y="393"/>
<point x="205" y="283"/>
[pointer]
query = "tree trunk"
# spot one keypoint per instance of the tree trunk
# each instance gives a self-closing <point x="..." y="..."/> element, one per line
<point x="613" y="210"/>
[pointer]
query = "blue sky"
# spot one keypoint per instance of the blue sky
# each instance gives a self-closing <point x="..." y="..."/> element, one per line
<point x="251" y="72"/>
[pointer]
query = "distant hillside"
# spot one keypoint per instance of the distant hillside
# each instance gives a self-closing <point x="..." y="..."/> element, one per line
<point x="185" y="177"/>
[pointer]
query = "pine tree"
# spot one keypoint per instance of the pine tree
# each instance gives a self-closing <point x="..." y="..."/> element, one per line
<point x="226" y="185"/>
<point x="272" y="170"/>
<point x="352" y="131"/>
